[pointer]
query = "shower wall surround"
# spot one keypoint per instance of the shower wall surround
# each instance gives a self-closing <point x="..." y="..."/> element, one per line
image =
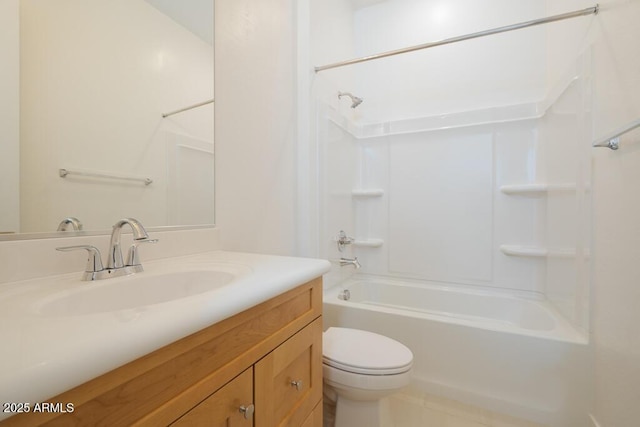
<point x="497" y="205"/>
<point x="495" y="208"/>
<point x="479" y="165"/>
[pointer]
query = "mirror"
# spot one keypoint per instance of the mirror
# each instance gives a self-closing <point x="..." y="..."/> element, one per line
<point x="95" y="78"/>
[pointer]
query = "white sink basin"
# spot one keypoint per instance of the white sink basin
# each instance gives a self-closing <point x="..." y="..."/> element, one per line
<point x="135" y="291"/>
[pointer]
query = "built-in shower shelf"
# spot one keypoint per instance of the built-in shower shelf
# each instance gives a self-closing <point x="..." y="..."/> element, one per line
<point x="524" y="251"/>
<point x="369" y="243"/>
<point x="367" y="192"/>
<point x="537" y="251"/>
<point x="536" y="189"/>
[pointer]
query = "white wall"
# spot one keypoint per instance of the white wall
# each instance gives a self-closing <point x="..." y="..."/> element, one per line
<point x="330" y="38"/>
<point x="95" y="78"/>
<point x="494" y="71"/>
<point x="331" y="28"/>
<point x="255" y="125"/>
<point x="616" y="204"/>
<point x="9" y="116"/>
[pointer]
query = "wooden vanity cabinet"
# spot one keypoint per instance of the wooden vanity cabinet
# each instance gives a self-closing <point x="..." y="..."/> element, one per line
<point x="269" y="356"/>
<point x="231" y="406"/>
<point x="288" y="381"/>
<point x="286" y="386"/>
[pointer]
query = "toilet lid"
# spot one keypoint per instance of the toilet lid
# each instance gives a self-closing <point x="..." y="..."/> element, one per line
<point x="364" y="352"/>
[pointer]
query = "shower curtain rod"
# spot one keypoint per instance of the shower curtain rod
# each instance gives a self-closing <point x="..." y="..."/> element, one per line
<point x="577" y="13"/>
<point x="612" y="141"/>
<point x="191" y="107"/>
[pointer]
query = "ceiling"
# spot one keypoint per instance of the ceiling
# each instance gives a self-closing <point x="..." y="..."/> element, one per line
<point x="194" y="15"/>
<point x="358" y="4"/>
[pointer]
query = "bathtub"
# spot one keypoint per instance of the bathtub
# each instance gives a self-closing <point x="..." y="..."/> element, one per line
<point x="504" y="352"/>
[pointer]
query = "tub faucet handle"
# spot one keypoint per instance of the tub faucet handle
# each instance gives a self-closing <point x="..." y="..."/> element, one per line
<point x="343" y="240"/>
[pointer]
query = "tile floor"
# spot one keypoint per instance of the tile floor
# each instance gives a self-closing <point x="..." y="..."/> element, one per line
<point x="412" y="408"/>
<point x="415" y="409"/>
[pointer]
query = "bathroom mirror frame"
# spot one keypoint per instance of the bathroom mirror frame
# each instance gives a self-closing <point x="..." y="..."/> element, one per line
<point x="102" y="228"/>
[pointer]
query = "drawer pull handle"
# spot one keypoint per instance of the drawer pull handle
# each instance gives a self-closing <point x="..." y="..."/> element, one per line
<point x="247" y="411"/>
<point x="297" y="384"/>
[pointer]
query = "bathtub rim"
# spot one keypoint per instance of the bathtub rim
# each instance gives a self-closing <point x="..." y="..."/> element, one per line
<point x="563" y="331"/>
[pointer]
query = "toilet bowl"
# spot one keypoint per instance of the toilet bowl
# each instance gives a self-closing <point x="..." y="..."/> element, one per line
<point x="359" y="369"/>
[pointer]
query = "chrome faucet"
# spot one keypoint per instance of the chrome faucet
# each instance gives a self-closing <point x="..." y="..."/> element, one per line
<point x="349" y="261"/>
<point x="115" y="252"/>
<point x="70" y="222"/>
<point x="115" y="265"/>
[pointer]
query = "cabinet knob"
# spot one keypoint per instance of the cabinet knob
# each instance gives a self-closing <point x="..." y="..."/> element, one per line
<point x="247" y="411"/>
<point x="297" y="384"/>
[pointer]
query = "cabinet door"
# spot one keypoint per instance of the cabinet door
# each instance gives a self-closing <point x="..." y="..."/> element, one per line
<point x="230" y="406"/>
<point x="288" y="381"/>
<point x="315" y="418"/>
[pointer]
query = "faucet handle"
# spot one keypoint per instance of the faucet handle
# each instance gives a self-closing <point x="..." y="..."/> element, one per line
<point x="342" y="240"/>
<point x="132" y="256"/>
<point x="94" y="261"/>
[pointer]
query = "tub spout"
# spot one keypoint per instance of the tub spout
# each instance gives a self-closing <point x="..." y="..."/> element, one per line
<point x="348" y="261"/>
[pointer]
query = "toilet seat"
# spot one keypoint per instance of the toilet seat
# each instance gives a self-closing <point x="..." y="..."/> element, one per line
<point x="364" y="352"/>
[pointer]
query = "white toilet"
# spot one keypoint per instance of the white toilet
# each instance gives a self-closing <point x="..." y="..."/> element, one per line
<point x="360" y="368"/>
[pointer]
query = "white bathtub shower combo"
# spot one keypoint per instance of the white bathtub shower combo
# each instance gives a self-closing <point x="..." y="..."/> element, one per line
<point x="511" y="355"/>
<point x="484" y="280"/>
<point x="463" y="191"/>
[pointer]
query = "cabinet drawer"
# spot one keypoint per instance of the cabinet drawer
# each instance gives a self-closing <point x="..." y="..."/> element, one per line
<point x="288" y="381"/>
<point x="231" y="406"/>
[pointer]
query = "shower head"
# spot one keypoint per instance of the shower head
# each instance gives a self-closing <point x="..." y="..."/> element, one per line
<point x="355" y="101"/>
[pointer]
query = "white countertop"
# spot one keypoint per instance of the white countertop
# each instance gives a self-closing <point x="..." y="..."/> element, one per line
<point x="44" y="355"/>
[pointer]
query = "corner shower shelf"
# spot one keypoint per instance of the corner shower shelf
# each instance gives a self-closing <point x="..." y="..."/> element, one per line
<point x="367" y="192"/>
<point x="535" y="189"/>
<point x="524" y="251"/>
<point x="536" y="251"/>
<point x="369" y="243"/>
